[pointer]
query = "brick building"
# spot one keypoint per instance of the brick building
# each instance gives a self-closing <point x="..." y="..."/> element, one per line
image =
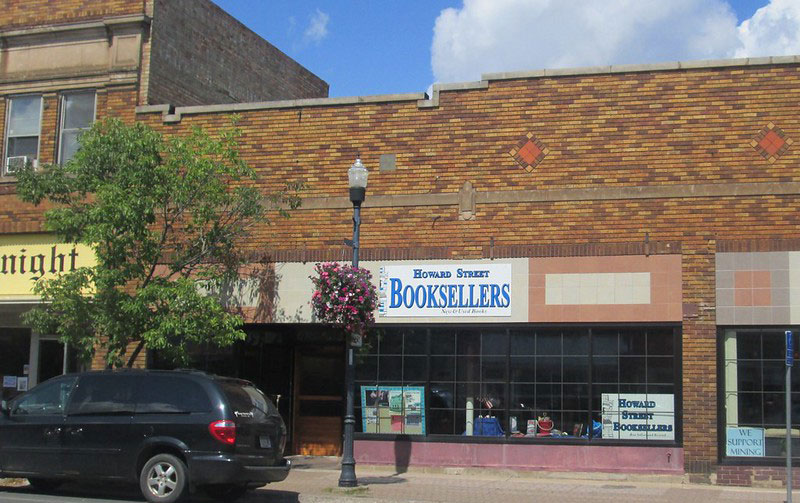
<point x="583" y="269"/>
<point x="635" y="232"/>
<point x="61" y="68"/>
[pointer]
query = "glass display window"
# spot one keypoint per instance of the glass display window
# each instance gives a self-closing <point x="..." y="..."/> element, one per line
<point x="527" y="382"/>
<point x="753" y="419"/>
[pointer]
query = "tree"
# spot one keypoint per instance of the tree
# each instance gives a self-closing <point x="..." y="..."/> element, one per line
<point x="165" y="218"/>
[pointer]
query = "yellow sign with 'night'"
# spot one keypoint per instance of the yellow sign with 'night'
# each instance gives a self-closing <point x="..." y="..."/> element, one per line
<point x="27" y="258"/>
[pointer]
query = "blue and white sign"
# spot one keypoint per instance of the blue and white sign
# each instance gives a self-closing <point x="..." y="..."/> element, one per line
<point x="438" y="290"/>
<point x="642" y="416"/>
<point x="789" y="348"/>
<point x="744" y="442"/>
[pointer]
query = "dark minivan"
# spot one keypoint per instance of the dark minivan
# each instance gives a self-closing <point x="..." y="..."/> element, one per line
<point x="172" y="431"/>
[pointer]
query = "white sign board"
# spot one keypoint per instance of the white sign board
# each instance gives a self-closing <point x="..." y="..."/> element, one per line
<point x="638" y="416"/>
<point x="748" y="442"/>
<point x="440" y="290"/>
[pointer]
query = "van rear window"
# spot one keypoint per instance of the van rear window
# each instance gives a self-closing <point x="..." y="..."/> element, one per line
<point x="246" y="399"/>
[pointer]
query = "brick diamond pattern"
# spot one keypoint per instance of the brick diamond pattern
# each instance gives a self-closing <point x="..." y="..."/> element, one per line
<point x="771" y="142"/>
<point x="529" y="152"/>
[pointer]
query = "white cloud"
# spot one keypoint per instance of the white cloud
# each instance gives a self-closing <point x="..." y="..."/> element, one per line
<point x="317" y="27"/>
<point x="506" y="35"/>
<point x="773" y="30"/>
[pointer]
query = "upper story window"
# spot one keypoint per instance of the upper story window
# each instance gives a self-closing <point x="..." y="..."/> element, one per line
<point x="77" y="114"/>
<point x="23" y="126"/>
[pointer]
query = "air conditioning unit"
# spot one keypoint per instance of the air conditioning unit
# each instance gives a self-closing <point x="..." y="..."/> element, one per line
<point x="14" y="163"/>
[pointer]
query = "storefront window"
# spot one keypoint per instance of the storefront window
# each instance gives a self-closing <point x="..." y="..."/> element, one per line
<point x="754" y="395"/>
<point x="522" y="382"/>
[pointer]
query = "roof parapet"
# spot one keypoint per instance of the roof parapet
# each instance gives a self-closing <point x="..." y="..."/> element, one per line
<point x="174" y="114"/>
<point x="650" y="67"/>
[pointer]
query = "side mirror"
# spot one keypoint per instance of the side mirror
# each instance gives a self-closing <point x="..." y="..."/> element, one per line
<point x="4" y="408"/>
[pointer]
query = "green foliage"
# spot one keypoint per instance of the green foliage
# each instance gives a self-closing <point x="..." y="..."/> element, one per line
<point x="162" y="216"/>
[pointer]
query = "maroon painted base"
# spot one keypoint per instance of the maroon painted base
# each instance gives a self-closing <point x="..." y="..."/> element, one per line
<point x="666" y="460"/>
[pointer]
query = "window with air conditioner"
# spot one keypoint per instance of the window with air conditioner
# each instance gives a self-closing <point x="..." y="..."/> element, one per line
<point x="77" y="115"/>
<point x="23" y="126"/>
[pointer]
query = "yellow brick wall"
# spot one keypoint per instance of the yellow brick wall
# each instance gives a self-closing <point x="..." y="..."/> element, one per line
<point x="21" y="13"/>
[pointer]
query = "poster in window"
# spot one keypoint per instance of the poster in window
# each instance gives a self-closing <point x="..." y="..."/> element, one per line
<point x="638" y="416"/>
<point x="744" y="442"/>
<point x="393" y="409"/>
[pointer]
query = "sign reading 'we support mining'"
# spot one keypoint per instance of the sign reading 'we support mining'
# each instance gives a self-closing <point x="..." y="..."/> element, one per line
<point x="438" y="290"/>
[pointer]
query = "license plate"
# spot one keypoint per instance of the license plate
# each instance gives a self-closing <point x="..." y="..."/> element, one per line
<point x="264" y="442"/>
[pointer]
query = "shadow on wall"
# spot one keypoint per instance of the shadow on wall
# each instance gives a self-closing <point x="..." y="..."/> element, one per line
<point x="402" y="454"/>
<point x="254" y="296"/>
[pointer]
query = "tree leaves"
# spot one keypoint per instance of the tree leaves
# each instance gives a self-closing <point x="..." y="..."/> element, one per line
<point x="162" y="215"/>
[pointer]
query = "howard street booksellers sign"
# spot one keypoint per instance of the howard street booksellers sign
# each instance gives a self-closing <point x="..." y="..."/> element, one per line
<point x="445" y="290"/>
<point x="638" y="416"/>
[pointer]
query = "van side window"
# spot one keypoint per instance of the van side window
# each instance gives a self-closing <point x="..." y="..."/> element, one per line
<point x="169" y="394"/>
<point x="48" y="399"/>
<point x="103" y="394"/>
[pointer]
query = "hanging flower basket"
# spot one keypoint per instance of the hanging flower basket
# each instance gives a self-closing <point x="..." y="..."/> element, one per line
<point x="344" y="296"/>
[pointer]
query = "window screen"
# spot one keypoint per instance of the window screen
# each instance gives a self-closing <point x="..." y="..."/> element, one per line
<point x="77" y="114"/>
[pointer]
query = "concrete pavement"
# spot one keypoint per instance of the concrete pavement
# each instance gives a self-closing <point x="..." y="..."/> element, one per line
<point x="314" y="480"/>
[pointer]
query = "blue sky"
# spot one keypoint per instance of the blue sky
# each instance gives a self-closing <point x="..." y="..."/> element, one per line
<point x="365" y="47"/>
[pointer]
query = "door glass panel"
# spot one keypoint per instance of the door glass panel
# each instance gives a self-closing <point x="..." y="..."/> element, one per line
<point x="103" y="394"/>
<point x="48" y="399"/>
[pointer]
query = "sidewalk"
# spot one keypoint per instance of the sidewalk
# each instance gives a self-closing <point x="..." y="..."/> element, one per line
<point x="314" y="480"/>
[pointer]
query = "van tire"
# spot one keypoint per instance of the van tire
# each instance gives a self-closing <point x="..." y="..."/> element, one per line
<point x="163" y="479"/>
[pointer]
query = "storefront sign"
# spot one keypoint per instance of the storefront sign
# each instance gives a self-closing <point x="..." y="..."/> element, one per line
<point x="445" y="290"/>
<point x="744" y="442"/>
<point x="638" y="416"/>
<point x="26" y="259"/>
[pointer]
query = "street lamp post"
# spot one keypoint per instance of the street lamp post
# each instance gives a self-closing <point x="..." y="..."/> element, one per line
<point x="357" y="178"/>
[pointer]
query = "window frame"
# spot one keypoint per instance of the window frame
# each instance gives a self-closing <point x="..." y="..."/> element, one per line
<point x="722" y="457"/>
<point x="62" y="114"/>
<point x="7" y="132"/>
<point x="676" y="335"/>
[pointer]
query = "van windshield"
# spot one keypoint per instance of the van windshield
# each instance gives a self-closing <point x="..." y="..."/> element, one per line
<point x="247" y="399"/>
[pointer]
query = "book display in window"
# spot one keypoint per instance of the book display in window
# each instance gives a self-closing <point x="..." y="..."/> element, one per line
<point x="393" y="409"/>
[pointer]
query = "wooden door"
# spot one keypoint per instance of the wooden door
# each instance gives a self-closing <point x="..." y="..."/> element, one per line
<point x="318" y="403"/>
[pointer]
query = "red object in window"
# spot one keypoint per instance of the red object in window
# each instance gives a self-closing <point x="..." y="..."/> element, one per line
<point x="545" y="425"/>
<point x="224" y="431"/>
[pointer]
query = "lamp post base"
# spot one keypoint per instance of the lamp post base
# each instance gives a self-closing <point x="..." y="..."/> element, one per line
<point x="348" y="476"/>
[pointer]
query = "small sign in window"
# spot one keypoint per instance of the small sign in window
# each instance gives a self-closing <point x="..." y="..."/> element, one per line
<point x="744" y="442"/>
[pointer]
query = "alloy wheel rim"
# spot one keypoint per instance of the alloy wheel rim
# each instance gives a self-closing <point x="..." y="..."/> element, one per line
<point x="162" y="479"/>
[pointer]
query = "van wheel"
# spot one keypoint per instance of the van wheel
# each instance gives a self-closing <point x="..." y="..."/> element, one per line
<point x="163" y="479"/>
<point x="225" y="492"/>
<point x="44" y="484"/>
